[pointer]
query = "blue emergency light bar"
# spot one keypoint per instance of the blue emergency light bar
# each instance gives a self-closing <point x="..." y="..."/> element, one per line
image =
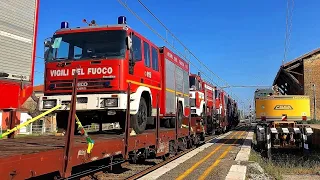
<point x="122" y="20"/>
<point x="64" y="25"/>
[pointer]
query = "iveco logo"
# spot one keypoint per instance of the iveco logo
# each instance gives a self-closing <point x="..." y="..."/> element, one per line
<point x="82" y="84"/>
<point x="283" y="107"/>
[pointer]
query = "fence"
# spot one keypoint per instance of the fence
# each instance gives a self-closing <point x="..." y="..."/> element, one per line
<point x="106" y="126"/>
<point x="38" y="129"/>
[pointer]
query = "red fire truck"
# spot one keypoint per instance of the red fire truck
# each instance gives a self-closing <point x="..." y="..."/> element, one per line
<point x="106" y="59"/>
<point x="18" y="32"/>
<point x="232" y="111"/>
<point x="221" y="107"/>
<point x="202" y="101"/>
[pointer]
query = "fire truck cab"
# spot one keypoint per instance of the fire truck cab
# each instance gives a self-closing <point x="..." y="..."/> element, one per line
<point x="202" y="100"/>
<point x="197" y="100"/>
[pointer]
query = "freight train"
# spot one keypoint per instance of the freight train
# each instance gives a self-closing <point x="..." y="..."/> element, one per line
<point x="123" y="80"/>
<point x="107" y="58"/>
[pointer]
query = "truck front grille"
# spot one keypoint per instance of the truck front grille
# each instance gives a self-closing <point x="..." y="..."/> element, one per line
<point x="87" y="83"/>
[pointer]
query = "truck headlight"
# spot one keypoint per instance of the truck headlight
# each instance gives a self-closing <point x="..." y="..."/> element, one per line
<point x="111" y="102"/>
<point x="50" y="103"/>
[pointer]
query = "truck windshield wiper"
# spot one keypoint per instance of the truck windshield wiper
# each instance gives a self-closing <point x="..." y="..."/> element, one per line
<point x="64" y="58"/>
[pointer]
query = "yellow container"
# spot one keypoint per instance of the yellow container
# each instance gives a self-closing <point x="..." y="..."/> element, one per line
<point x="275" y="108"/>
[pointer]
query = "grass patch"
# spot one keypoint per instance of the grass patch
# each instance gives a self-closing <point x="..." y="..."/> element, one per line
<point x="293" y="166"/>
<point x="312" y="121"/>
<point x="269" y="167"/>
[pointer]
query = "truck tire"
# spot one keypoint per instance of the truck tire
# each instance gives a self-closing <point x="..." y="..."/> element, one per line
<point x="180" y="117"/>
<point x="62" y="120"/>
<point x="139" y="121"/>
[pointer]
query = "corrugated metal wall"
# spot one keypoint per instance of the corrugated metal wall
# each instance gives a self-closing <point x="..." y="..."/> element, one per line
<point x="186" y="88"/>
<point x="16" y="36"/>
<point x="176" y="80"/>
<point x="170" y="84"/>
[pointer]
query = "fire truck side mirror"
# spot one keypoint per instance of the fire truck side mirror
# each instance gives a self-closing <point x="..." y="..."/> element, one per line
<point x="129" y="42"/>
<point x="47" y="43"/>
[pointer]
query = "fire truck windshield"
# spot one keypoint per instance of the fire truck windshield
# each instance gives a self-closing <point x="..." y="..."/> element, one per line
<point x="87" y="45"/>
<point x="194" y="83"/>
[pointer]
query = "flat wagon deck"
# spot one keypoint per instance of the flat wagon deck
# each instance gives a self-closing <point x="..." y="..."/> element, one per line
<point x="34" y="156"/>
<point x="38" y="144"/>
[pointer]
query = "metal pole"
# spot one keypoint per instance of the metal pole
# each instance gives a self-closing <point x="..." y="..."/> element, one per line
<point x="67" y="166"/>
<point x="314" y="102"/>
<point x="157" y="124"/>
<point x="177" y="117"/>
<point x="127" y="125"/>
<point x="12" y="122"/>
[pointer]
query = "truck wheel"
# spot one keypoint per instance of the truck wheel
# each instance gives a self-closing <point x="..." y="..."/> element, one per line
<point x="209" y="125"/>
<point x="139" y="121"/>
<point x="62" y="121"/>
<point x="180" y="116"/>
<point x="204" y="114"/>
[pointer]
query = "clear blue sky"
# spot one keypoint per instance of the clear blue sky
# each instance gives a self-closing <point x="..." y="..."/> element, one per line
<point x="241" y="41"/>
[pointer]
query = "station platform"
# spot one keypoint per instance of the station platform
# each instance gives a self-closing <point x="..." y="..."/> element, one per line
<point x="213" y="160"/>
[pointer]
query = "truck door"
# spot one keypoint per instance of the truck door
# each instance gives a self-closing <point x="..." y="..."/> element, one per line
<point x="152" y="74"/>
<point x="135" y="75"/>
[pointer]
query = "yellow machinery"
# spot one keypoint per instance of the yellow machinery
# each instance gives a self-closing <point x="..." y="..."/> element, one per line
<point x="282" y="108"/>
<point x="277" y="117"/>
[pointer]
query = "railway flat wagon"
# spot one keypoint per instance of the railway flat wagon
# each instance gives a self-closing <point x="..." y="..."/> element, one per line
<point x="66" y="156"/>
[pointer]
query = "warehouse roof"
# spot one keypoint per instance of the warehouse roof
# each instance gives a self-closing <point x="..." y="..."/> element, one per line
<point x="299" y="59"/>
<point x="289" y="73"/>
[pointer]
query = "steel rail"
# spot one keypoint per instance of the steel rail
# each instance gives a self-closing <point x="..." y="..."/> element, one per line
<point x="150" y="169"/>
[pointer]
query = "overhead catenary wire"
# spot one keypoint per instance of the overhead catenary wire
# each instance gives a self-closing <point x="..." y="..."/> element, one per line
<point x="184" y="46"/>
<point x="289" y="14"/>
<point x="165" y="40"/>
<point x="181" y="54"/>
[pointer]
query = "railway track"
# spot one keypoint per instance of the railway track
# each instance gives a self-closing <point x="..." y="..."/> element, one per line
<point x="135" y="171"/>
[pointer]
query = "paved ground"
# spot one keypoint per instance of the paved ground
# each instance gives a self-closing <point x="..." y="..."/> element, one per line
<point x="315" y="126"/>
<point x="213" y="162"/>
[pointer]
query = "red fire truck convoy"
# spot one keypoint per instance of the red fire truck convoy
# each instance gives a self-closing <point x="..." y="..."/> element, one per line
<point x="107" y="58"/>
<point x="18" y="32"/>
<point x="217" y="109"/>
